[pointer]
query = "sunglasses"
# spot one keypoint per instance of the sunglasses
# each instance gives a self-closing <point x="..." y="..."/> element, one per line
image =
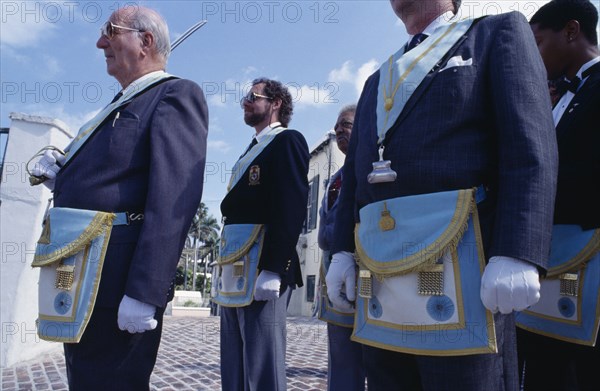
<point x="109" y="29"/>
<point x="252" y="97"/>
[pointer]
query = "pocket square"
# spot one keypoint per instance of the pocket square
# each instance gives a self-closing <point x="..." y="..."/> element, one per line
<point x="457" y="61"/>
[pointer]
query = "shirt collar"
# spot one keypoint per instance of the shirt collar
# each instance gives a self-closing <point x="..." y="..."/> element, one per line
<point x="443" y="20"/>
<point x="134" y="85"/>
<point x="588" y="64"/>
<point x="266" y="131"/>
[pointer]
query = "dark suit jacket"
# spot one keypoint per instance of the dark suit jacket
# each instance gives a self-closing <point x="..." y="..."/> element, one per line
<point x="327" y="216"/>
<point x="578" y="133"/>
<point x="278" y="200"/>
<point x="489" y="123"/>
<point x="151" y="161"/>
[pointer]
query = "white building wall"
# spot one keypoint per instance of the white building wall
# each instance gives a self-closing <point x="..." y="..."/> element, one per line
<point x="325" y="160"/>
<point x="21" y="212"/>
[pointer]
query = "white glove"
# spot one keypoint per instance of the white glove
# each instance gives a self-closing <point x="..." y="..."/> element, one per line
<point x="509" y="284"/>
<point x="48" y="166"/>
<point x="135" y="316"/>
<point x="341" y="281"/>
<point x="267" y="286"/>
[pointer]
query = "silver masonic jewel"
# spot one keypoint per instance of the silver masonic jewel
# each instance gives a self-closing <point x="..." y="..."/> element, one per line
<point x="381" y="170"/>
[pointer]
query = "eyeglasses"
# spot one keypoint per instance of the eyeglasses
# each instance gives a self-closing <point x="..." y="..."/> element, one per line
<point x="252" y="97"/>
<point x="344" y="124"/>
<point x="108" y="29"/>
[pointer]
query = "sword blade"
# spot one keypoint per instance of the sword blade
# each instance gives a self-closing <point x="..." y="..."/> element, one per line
<point x="187" y="33"/>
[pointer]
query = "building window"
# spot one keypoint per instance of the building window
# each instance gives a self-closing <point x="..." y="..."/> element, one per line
<point x="310" y="288"/>
<point x="312" y="206"/>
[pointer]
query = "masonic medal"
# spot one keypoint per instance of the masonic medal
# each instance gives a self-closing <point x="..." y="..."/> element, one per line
<point x="254" y="176"/>
<point x="382" y="171"/>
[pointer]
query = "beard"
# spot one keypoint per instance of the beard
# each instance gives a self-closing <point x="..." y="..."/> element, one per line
<point x="253" y="119"/>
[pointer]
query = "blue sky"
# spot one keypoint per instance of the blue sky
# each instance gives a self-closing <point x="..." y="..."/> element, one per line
<point x="323" y="51"/>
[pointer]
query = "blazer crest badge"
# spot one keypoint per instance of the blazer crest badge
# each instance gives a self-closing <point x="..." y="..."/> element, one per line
<point x="254" y="175"/>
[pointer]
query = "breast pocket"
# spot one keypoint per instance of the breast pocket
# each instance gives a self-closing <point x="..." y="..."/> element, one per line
<point x="456" y="89"/>
<point x="125" y="132"/>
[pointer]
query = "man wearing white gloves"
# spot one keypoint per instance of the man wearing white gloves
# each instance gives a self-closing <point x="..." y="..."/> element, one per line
<point x="48" y="166"/>
<point x="142" y="158"/>
<point x="268" y="188"/>
<point x="477" y="116"/>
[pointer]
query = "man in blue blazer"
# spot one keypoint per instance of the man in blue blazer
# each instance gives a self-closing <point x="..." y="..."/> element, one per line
<point x="144" y="158"/>
<point x="345" y="369"/>
<point x="479" y="116"/>
<point x="271" y="190"/>
<point x="565" y="31"/>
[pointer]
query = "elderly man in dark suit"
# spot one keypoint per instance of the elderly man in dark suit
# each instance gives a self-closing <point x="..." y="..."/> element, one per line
<point x="565" y="31"/>
<point x="142" y="156"/>
<point x="268" y="190"/>
<point x="478" y="116"/>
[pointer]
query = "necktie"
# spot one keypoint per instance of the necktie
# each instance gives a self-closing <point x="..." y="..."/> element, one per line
<point x="334" y="191"/>
<point x="415" y="41"/>
<point x="116" y="98"/>
<point x="253" y="143"/>
<point x="564" y="85"/>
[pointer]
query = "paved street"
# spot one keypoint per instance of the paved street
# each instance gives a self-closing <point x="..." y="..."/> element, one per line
<point x="189" y="359"/>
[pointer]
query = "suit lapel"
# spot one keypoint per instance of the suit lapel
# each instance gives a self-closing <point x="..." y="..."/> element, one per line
<point x="416" y="96"/>
<point x="581" y="99"/>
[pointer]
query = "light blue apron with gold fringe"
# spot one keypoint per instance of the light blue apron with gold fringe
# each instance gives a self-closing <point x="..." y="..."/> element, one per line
<point x="421" y="260"/>
<point x="70" y="255"/>
<point x="569" y="306"/>
<point x="237" y="267"/>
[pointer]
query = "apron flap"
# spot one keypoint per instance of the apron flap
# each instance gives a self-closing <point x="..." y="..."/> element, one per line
<point x="408" y="234"/>
<point x="571" y="247"/>
<point x="67" y="231"/>
<point x="236" y="241"/>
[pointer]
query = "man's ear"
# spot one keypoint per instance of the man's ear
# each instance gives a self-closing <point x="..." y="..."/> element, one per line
<point x="147" y="40"/>
<point x="276" y="104"/>
<point x="572" y="30"/>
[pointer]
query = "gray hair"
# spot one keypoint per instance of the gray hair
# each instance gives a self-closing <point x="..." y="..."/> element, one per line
<point x="146" y="19"/>
<point x="348" y="109"/>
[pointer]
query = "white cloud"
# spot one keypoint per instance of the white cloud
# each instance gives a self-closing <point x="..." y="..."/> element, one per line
<point x="347" y="74"/>
<point x="344" y="74"/>
<point x="219" y="146"/>
<point x="52" y="67"/>
<point x="22" y="32"/>
<point x="363" y="73"/>
<point x="250" y="70"/>
<point x="216" y="100"/>
<point x="314" y="96"/>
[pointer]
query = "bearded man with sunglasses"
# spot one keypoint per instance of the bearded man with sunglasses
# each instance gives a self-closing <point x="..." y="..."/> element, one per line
<point x="263" y="213"/>
<point x="142" y="158"/>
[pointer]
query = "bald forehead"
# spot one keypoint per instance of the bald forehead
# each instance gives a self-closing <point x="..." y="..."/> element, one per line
<point x="131" y="12"/>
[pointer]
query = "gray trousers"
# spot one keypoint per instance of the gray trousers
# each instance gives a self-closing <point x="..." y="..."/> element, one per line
<point x="253" y="343"/>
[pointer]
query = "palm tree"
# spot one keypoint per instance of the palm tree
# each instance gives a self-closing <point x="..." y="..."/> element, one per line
<point x="204" y="231"/>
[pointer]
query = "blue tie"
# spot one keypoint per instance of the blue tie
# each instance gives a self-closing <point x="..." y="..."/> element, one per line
<point x="253" y="143"/>
<point x="415" y="41"/>
<point x="117" y="97"/>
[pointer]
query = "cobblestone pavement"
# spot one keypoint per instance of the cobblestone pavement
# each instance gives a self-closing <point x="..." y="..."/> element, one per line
<point x="188" y="359"/>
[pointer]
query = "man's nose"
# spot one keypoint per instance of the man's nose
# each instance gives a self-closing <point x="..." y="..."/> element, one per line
<point x="102" y="42"/>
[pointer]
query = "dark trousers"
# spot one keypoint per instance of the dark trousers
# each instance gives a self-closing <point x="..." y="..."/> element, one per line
<point x="346" y="370"/>
<point x="107" y="358"/>
<point x="387" y="370"/>
<point x="550" y="364"/>
<point x="253" y="343"/>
